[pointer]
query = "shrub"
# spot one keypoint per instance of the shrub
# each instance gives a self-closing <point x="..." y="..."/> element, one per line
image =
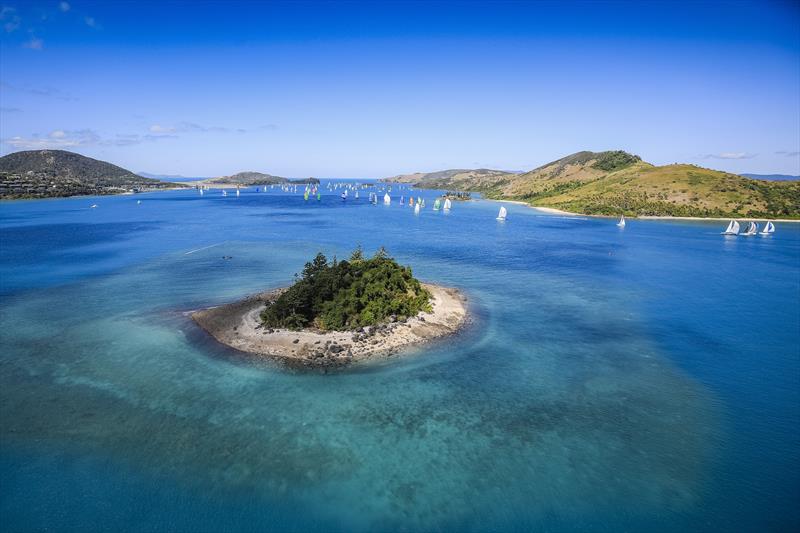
<point x="345" y="295"/>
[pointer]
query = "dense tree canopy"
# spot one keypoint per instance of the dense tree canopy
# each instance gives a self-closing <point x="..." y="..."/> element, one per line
<point x="343" y="295"/>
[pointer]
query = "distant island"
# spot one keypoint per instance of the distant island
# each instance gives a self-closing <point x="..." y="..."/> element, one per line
<point x="772" y="177"/>
<point x="616" y="182"/>
<point x="59" y="173"/>
<point x="338" y="312"/>
<point x="249" y="179"/>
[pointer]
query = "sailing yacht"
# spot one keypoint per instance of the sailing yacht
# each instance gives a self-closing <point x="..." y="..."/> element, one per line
<point x="621" y="223"/>
<point x="732" y="229"/>
<point x="387" y="199"/>
<point x="356" y="194"/>
<point x="502" y="214"/>
<point x="752" y="229"/>
<point x="416" y="208"/>
<point x="224" y="193"/>
<point x="437" y="204"/>
<point x="447" y="204"/>
<point x="769" y="229"/>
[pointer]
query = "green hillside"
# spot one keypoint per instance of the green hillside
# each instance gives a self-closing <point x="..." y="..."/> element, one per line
<point x="615" y="182"/>
<point x="58" y="173"/>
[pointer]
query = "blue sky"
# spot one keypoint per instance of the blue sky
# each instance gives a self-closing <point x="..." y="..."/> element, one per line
<point x="375" y="89"/>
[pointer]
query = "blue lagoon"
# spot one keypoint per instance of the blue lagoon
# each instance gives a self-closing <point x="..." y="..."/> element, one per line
<point x="645" y="378"/>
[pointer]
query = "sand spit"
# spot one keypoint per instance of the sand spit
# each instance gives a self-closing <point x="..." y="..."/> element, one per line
<point x="238" y="325"/>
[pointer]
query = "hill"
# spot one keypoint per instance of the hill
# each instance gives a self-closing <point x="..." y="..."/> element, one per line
<point x="616" y="182"/>
<point x="349" y="294"/>
<point x="58" y="173"/>
<point x="449" y="178"/>
<point x="250" y="178"/>
<point x="772" y="177"/>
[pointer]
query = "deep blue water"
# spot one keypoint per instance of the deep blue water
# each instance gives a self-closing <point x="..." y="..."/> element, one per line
<point x="613" y="380"/>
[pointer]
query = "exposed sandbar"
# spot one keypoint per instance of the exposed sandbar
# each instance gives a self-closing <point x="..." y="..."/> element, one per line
<point x="238" y="325"/>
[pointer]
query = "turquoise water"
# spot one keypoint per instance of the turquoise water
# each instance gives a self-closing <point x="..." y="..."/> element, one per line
<point x="637" y="379"/>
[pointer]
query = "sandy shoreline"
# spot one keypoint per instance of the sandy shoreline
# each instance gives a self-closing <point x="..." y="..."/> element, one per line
<point x="238" y="326"/>
<point x="554" y="211"/>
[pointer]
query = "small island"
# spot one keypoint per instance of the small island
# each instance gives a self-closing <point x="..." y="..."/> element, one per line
<point x="339" y="312"/>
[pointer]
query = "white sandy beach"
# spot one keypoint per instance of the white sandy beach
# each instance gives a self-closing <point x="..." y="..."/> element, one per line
<point x="238" y="325"/>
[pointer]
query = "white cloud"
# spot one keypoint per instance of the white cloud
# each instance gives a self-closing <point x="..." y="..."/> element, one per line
<point x="186" y="127"/>
<point x="730" y="155"/>
<point x="91" y="22"/>
<point x="63" y="6"/>
<point x="11" y="21"/>
<point x="158" y="128"/>
<point x="34" y="44"/>
<point x="61" y="139"/>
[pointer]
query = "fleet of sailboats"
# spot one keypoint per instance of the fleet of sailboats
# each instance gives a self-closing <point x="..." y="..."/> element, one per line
<point x="751" y="229"/>
<point x="443" y="203"/>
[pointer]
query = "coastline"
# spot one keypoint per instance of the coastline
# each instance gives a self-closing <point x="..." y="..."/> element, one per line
<point x="554" y="211"/>
<point x="237" y="325"/>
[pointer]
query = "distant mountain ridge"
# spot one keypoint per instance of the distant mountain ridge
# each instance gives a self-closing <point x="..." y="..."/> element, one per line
<point x="616" y="182"/>
<point x="59" y="173"/>
<point x="771" y="177"/>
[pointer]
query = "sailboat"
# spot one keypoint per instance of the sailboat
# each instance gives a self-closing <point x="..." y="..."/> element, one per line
<point x="201" y="192"/>
<point x="416" y="209"/>
<point x="356" y="194"/>
<point x="447" y="204"/>
<point x="411" y="201"/>
<point x="344" y="195"/>
<point x="437" y="204"/>
<point x="305" y="195"/>
<point x="752" y="229"/>
<point x="502" y="214"/>
<point x="402" y="200"/>
<point x="769" y="228"/>
<point x="237" y="191"/>
<point x="732" y="229"/>
<point x="621" y="223"/>
<point x="224" y="193"/>
<point x="319" y="196"/>
<point x="387" y="199"/>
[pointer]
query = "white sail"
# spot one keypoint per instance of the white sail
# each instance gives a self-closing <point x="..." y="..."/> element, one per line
<point x="416" y="208"/>
<point x="768" y="228"/>
<point x="502" y="214"/>
<point x="387" y="199"/>
<point x="621" y="222"/>
<point x="447" y="204"/>
<point x="732" y="229"/>
<point x="752" y="229"/>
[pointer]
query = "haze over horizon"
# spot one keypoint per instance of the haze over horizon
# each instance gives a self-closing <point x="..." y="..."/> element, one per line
<point x="365" y="90"/>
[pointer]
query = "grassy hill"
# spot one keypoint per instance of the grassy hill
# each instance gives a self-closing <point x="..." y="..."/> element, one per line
<point x="58" y="173"/>
<point x="450" y="178"/>
<point x="616" y="182"/>
<point x="247" y="179"/>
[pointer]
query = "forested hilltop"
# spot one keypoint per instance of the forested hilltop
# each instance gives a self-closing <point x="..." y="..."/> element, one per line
<point x="58" y="173"/>
<point x="348" y="294"/>
<point x="616" y="182"/>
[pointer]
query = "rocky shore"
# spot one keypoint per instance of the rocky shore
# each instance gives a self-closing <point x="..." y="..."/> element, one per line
<point x="238" y="326"/>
